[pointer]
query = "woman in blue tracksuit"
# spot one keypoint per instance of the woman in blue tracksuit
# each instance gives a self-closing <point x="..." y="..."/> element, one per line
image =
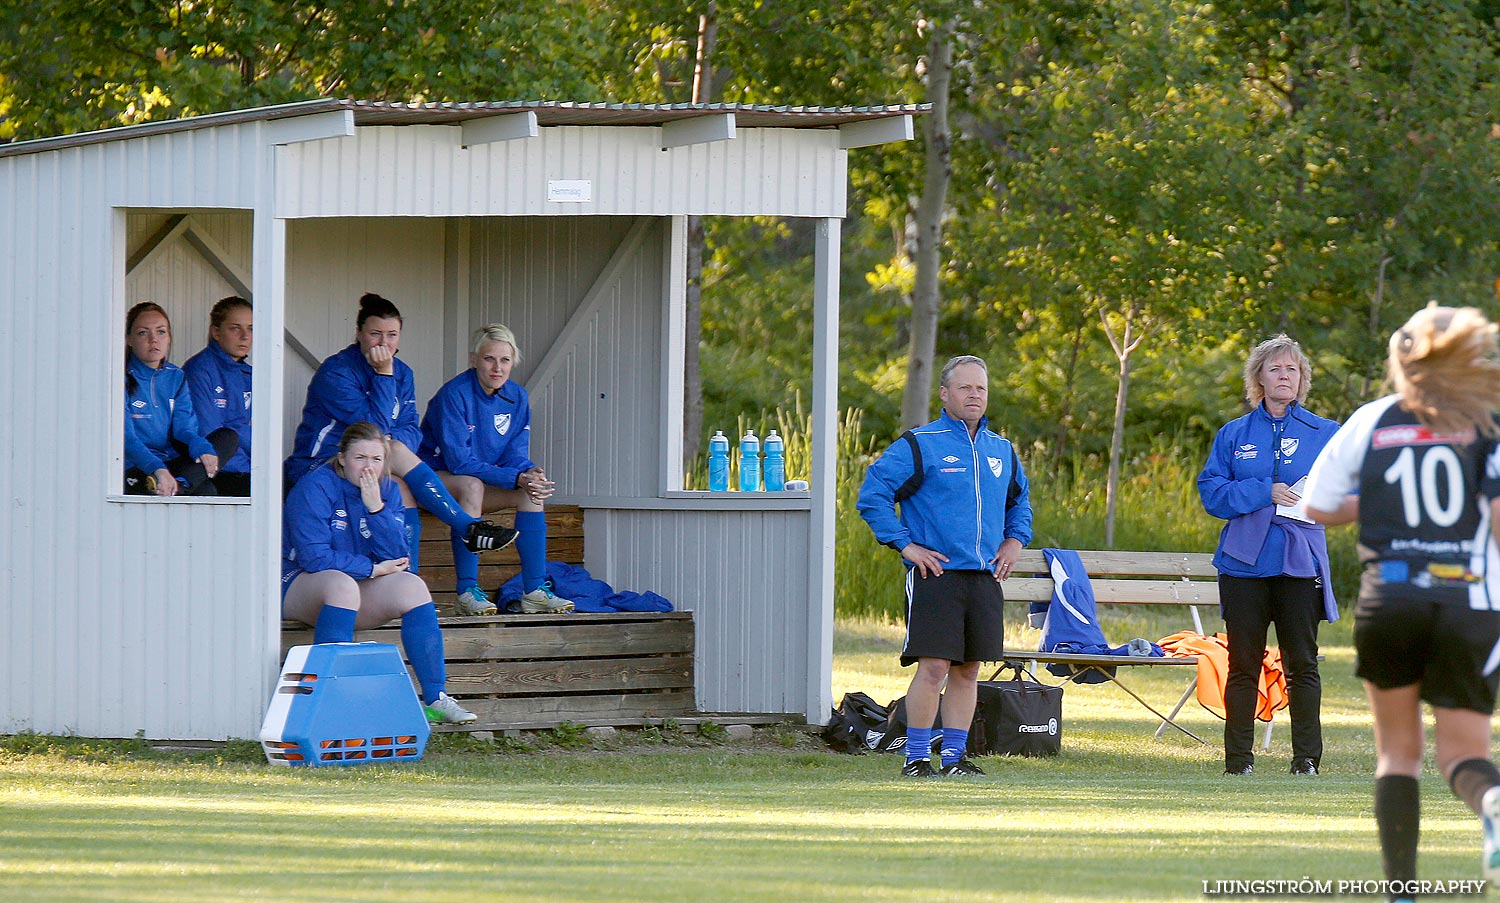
<point x="219" y="378"/>
<point x="166" y="454"/>
<point x="477" y="436"/>
<point x="343" y="562"/>
<point x="366" y="382"/>
<point x="1272" y="560"/>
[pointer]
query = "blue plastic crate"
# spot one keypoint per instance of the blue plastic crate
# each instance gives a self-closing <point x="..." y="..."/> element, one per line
<point x="344" y="704"/>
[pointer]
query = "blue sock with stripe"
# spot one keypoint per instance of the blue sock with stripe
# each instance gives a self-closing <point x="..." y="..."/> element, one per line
<point x="918" y="743"/>
<point x="431" y="494"/>
<point x="413" y="518"/>
<point x="955" y="744"/>
<point x="423" y="641"/>
<point x="335" y="625"/>
<point x="531" y="545"/>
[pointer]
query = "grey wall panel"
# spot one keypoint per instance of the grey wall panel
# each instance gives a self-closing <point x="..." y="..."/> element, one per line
<point x="331" y="262"/>
<point x="748" y="611"/>
<point x="121" y="616"/>
<point x="424" y="171"/>
<point x="596" y="413"/>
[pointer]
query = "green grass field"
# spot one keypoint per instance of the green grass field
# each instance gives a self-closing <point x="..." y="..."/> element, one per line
<point x="669" y="817"/>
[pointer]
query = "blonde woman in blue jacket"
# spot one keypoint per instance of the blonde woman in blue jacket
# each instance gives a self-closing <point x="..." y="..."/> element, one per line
<point x="1272" y="560"/>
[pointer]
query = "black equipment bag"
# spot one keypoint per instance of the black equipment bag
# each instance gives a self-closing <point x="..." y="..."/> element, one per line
<point x="1017" y="717"/>
<point x="895" y="729"/>
<point x="856" y="725"/>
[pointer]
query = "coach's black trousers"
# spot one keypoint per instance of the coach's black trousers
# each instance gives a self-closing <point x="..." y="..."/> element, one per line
<point x="1251" y="605"/>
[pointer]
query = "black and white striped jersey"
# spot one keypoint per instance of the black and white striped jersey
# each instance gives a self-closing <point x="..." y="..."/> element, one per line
<point x="1424" y="513"/>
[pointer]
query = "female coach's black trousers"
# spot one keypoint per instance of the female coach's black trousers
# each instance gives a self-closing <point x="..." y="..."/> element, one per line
<point x="1295" y="606"/>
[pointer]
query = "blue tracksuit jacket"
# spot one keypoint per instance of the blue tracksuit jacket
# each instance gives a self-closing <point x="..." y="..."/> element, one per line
<point x="1249" y="454"/>
<point x="468" y="431"/>
<point x="159" y="412"/>
<point x="221" y="397"/>
<point x="325" y="526"/>
<point x="345" y="390"/>
<point x="974" y="494"/>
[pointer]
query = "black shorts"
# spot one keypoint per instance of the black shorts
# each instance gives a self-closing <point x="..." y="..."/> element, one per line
<point x="1443" y="647"/>
<point x="959" y="616"/>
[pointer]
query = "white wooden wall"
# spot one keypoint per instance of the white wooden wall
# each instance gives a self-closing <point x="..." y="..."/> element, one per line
<point x="120" y="616"/>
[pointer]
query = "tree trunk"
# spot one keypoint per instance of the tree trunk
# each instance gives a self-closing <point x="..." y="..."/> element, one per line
<point x="692" y="374"/>
<point x="1124" y="345"/>
<point x="916" y="404"/>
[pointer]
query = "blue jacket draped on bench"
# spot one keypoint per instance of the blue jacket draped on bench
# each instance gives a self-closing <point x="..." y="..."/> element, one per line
<point x="1070" y="620"/>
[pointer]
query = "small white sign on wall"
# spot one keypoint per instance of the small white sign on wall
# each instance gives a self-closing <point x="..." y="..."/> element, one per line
<point x="570" y="191"/>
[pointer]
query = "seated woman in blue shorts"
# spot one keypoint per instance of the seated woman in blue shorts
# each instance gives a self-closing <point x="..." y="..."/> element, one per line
<point x="477" y="436"/>
<point x="366" y="381"/>
<point x="219" y="377"/>
<point x="343" y="563"/>
<point x="165" y="453"/>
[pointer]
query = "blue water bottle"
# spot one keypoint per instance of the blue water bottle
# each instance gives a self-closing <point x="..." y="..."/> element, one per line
<point x="775" y="464"/>
<point x="718" y="462"/>
<point x="749" y="462"/>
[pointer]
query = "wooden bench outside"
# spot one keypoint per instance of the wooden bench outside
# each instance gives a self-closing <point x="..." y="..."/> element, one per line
<point x="1184" y="580"/>
<point x="527" y="672"/>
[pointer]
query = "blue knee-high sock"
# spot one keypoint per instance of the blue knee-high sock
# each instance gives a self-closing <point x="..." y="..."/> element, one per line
<point x="531" y="545"/>
<point x="465" y="565"/>
<point x="335" y="625"/>
<point x="955" y="744"/>
<point x="431" y="494"/>
<point x="424" y="649"/>
<point x="413" y="538"/>
<point x="918" y="743"/>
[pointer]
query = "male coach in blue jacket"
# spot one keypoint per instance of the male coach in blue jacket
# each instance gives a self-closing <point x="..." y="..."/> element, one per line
<point x="965" y="516"/>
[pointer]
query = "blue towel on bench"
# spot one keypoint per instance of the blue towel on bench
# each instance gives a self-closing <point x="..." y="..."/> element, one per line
<point x="587" y="593"/>
<point x="1070" y="621"/>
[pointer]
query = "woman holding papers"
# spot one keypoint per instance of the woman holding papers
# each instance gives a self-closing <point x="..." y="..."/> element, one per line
<point x="1272" y="560"/>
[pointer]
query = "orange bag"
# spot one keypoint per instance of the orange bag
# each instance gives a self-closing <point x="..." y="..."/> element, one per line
<point x="1213" y="672"/>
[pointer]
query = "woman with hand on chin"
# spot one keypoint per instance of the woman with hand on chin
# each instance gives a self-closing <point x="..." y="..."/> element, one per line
<point x="344" y="566"/>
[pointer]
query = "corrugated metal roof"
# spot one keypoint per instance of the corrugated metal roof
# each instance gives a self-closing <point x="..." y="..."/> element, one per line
<point x="548" y="113"/>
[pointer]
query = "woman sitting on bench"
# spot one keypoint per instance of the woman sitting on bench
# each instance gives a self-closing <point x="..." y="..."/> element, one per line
<point x="343" y="562"/>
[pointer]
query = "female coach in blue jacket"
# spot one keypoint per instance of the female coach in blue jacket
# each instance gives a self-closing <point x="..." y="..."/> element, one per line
<point x="344" y="566"/>
<point x="165" y="452"/>
<point x="1272" y="560"/>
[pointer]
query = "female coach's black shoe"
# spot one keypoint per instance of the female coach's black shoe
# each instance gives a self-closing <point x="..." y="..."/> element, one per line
<point x="483" y="536"/>
<point x="1240" y="769"/>
<point x="1304" y="765"/>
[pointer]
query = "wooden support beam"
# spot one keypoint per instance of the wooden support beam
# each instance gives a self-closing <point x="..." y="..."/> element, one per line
<point x="174" y="226"/>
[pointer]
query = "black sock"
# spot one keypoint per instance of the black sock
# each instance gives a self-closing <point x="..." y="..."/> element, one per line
<point x="1471" y="778"/>
<point x="1398" y="814"/>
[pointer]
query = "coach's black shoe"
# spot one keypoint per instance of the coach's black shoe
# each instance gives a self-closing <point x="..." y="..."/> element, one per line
<point x="483" y="536"/>
<point x="961" y="769"/>
<point x="1304" y="765"/>
<point x="921" y="768"/>
<point x="1247" y="768"/>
